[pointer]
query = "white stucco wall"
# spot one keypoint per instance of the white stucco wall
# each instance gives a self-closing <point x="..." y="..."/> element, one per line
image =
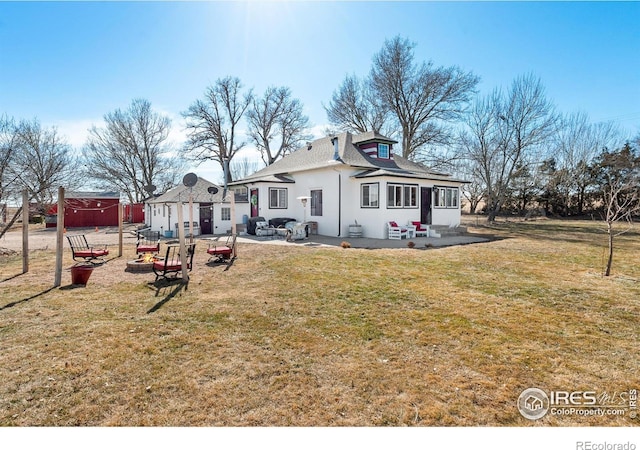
<point x="305" y="183"/>
<point x="163" y="217"/>
<point x="337" y="215"/>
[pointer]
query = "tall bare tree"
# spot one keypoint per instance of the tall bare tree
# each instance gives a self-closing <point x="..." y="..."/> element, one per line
<point x="356" y="107"/>
<point x="8" y="144"/>
<point x="8" y="188"/>
<point x="577" y="143"/>
<point x="131" y="153"/>
<point x="474" y="190"/>
<point x="618" y="174"/>
<point x="423" y="98"/>
<point x="43" y="162"/>
<point x="212" y="123"/>
<point x="277" y="123"/>
<point x="504" y="132"/>
<point x="35" y="159"/>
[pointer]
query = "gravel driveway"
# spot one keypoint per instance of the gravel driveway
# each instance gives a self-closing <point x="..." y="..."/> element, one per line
<point x="45" y="238"/>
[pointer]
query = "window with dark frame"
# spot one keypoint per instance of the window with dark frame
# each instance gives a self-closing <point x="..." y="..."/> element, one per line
<point x="369" y="195"/>
<point x="402" y="195"/>
<point x="277" y="198"/>
<point x="316" y="202"/>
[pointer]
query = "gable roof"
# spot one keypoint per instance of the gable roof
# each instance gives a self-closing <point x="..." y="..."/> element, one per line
<point x="321" y="154"/>
<point x="199" y="191"/>
<point x="92" y="195"/>
<point x="371" y="136"/>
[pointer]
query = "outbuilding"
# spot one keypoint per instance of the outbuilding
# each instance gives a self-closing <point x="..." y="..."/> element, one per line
<point x="88" y="209"/>
<point x="211" y="212"/>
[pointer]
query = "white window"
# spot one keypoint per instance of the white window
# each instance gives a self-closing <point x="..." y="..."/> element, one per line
<point x="410" y="199"/>
<point x="394" y="195"/>
<point x="369" y="194"/>
<point x="446" y="197"/>
<point x="225" y="212"/>
<point x="402" y="196"/>
<point x="278" y="198"/>
<point x="383" y="151"/>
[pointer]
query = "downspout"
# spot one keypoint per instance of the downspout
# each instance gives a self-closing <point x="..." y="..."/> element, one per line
<point x="336" y="158"/>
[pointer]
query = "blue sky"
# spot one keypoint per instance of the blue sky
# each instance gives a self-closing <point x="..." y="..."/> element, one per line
<point x="69" y="63"/>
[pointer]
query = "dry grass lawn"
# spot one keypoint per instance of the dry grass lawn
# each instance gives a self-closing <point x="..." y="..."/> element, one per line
<point x="326" y="337"/>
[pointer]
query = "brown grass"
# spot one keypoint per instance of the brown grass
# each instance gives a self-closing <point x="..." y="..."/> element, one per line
<point x="323" y="337"/>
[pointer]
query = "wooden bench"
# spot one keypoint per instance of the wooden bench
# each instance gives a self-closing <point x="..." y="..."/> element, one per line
<point x="421" y="229"/>
<point x="172" y="263"/>
<point x="222" y="252"/>
<point x="80" y="249"/>
<point x="148" y="242"/>
<point x="398" y="232"/>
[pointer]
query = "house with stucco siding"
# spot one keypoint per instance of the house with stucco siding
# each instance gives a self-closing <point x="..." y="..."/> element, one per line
<point x="348" y="179"/>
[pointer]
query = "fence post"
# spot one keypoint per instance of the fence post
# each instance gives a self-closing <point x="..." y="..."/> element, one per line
<point x="120" y="206"/>
<point x="183" y="248"/>
<point x="25" y="231"/>
<point x="59" y="237"/>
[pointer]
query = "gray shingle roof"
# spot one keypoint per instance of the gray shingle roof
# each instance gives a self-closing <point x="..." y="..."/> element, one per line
<point x="320" y="154"/>
<point x="372" y="136"/>
<point x="199" y="191"/>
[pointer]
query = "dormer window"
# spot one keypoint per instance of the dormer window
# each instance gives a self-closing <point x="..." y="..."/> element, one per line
<point x="383" y="151"/>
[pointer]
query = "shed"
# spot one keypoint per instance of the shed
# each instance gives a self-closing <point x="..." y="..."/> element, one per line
<point x="211" y="212"/>
<point x="88" y="209"/>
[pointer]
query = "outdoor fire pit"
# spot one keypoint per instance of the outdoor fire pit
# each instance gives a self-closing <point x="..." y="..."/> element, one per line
<point x="144" y="264"/>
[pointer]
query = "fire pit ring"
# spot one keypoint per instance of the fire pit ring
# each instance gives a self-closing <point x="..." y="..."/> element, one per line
<point x="141" y="265"/>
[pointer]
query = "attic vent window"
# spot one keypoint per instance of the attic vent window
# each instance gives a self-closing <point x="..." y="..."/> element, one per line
<point x="383" y="151"/>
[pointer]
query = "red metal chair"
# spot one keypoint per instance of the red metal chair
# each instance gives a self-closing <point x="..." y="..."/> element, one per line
<point x="172" y="263"/>
<point x="80" y="249"/>
<point x="148" y="242"/>
<point x="222" y="252"/>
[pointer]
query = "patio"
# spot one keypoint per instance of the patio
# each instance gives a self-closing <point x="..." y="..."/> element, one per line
<point x="368" y="243"/>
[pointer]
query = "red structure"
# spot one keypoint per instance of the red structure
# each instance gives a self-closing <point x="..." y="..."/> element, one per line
<point x="134" y="212"/>
<point x="89" y="209"/>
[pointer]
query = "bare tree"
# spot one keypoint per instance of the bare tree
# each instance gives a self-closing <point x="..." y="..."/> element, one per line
<point x="8" y="144"/>
<point x="131" y="153"/>
<point x="212" y="123"/>
<point x="243" y="167"/>
<point x="618" y="174"/>
<point x="577" y="143"/>
<point x="503" y="133"/>
<point x="423" y="98"/>
<point x="474" y="190"/>
<point x="277" y="123"/>
<point x="8" y="190"/>
<point x="34" y="159"/>
<point x="43" y="162"/>
<point x="356" y="107"/>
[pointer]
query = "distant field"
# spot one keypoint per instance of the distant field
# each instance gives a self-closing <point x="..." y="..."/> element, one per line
<point x="328" y="337"/>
